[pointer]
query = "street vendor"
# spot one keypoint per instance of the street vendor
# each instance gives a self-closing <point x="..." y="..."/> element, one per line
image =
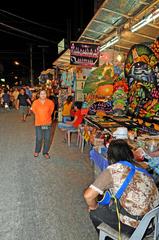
<point x="78" y="118"/>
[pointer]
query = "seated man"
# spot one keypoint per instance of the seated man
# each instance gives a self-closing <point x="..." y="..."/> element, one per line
<point x="78" y="118"/>
<point x="139" y="197"/>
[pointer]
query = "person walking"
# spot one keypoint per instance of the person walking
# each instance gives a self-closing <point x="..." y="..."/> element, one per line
<point x="15" y="95"/>
<point x="43" y="109"/>
<point x="6" y="99"/>
<point x="22" y="103"/>
<point x="29" y="93"/>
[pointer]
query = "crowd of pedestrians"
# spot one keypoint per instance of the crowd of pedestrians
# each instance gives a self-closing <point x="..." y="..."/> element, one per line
<point x="21" y="98"/>
<point x="9" y="96"/>
<point x="41" y="103"/>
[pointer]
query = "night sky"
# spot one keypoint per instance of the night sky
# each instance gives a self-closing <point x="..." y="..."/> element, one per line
<point x="72" y="16"/>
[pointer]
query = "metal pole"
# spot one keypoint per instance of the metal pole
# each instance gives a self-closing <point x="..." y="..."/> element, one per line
<point x="31" y="65"/>
<point x="43" y="47"/>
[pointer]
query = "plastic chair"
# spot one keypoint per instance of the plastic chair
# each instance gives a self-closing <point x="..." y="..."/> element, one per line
<point x="80" y="138"/>
<point x="98" y="159"/>
<point x="107" y="231"/>
<point x="69" y="132"/>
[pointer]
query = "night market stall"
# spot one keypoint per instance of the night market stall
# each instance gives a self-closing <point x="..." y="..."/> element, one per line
<point x="123" y="101"/>
<point x="121" y="94"/>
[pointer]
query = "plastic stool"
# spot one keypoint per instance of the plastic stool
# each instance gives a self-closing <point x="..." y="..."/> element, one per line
<point x="69" y="135"/>
<point x="80" y="138"/>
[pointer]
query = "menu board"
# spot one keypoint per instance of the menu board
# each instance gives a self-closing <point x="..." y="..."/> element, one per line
<point x="84" y="54"/>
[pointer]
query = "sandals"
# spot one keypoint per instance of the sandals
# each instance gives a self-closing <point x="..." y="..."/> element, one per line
<point x="36" y="154"/>
<point x="46" y="155"/>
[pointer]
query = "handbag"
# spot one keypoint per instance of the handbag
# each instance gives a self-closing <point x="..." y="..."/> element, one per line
<point x="107" y="196"/>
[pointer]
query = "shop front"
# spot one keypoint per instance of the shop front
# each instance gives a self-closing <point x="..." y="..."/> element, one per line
<point x="122" y="92"/>
<point x="124" y="96"/>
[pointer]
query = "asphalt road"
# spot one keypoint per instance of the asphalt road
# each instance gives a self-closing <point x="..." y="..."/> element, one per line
<point x="41" y="199"/>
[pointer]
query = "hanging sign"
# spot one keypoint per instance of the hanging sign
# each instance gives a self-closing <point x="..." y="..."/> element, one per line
<point x="84" y="54"/>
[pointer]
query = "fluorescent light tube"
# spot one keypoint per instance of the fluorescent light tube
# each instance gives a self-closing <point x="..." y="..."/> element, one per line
<point x="145" y="21"/>
<point x="110" y="43"/>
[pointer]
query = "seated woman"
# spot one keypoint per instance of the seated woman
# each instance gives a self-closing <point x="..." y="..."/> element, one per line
<point x="66" y="111"/>
<point x="78" y="118"/>
<point x="139" y="197"/>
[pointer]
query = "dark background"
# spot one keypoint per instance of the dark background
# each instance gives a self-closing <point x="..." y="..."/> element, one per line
<point x="63" y="19"/>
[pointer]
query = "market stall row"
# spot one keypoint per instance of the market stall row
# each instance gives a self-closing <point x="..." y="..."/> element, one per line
<point x="125" y="96"/>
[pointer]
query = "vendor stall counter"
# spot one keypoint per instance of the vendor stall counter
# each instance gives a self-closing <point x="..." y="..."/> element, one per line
<point x="110" y="123"/>
<point x="100" y="163"/>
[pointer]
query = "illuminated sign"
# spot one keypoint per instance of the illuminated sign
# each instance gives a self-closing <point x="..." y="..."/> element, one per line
<point x="84" y="54"/>
<point x="61" y="46"/>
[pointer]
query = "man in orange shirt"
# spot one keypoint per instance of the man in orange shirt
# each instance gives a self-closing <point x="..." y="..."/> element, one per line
<point x="43" y="109"/>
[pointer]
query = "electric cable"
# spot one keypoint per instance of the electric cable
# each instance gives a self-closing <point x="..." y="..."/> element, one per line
<point x="118" y="217"/>
<point x="33" y="22"/>
<point x="27" y="33"/>
<point x="16" y="35"/>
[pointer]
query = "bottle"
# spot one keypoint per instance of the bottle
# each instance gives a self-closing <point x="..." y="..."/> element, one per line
<point x="135" y="133"/>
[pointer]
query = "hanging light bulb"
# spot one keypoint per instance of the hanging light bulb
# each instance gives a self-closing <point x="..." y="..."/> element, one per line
<point x="119" y="57"/>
